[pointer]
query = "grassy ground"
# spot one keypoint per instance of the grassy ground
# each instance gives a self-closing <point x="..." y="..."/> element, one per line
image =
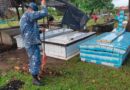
<point x="57" y="18"/>
<point x="77" y="75"/>
<point x="9" y="24"/>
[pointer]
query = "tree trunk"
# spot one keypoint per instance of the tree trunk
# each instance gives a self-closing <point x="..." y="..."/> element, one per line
<point x="91" y="12"/>
<point x="22" y="7"/>
<point x="128" y="24"/>
<point x="17" y="13"/>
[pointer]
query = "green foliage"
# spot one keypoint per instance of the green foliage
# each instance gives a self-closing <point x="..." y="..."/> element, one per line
<point x="89" y="5"/>
<point x="54" y="12"/>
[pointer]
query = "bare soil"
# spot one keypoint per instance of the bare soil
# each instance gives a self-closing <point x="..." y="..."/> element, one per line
<point x="19" y="58"/>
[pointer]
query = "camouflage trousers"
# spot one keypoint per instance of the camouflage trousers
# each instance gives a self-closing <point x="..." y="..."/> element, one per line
<point x="34" y="56"/>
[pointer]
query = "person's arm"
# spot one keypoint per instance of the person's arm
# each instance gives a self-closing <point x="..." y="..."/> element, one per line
<point x="38" y="14"/>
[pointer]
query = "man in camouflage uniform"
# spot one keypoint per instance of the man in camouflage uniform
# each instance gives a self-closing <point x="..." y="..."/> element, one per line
<point x="31" y="37"/>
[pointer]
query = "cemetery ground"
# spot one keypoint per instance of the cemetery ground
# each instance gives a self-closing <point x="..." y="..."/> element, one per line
<point x="63" y="75"/>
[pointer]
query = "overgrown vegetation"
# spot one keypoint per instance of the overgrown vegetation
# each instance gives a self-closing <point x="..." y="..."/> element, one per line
<point x="89" y="6"/>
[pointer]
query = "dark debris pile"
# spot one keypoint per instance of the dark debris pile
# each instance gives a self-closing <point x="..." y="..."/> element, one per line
<point x="13" y="85"/>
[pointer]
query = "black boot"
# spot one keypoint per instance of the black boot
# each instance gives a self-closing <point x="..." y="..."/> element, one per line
<point x="36" y="81"/>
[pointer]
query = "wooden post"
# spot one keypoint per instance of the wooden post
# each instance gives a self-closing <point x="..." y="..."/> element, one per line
<point x="1" y="41"/>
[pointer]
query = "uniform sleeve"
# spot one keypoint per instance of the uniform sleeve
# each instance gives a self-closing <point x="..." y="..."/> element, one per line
<point x="38" y="14"/>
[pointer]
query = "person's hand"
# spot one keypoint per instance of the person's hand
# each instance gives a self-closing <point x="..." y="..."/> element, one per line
<point x="42" y="29"/>
<point x="43" y="3"/>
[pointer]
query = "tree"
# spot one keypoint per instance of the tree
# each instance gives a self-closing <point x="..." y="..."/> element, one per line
<point x="20" y="3"/>
<point x="91" y="5"/>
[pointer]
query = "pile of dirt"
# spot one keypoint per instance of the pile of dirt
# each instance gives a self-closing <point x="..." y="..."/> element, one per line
<point x="13" y="85"/>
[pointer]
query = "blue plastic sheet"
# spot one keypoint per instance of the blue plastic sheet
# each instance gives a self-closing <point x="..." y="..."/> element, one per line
<point x="111" y="37"/>
<point x="119" y="46"/>
<point x="111" y="54"/>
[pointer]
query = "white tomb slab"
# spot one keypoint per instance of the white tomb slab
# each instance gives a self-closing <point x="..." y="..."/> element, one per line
<point x="67" y="45"/>
<point x="48" y="34"/>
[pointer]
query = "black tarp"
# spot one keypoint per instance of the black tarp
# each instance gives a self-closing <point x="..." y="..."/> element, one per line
<point x="58" y="4"/>
<point x="73" y="17"/>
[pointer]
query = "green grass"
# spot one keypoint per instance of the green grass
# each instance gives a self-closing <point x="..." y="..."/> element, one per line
<point x="9" y="24"/>
<point x="57" y="18"/>
<point x="77" y="75"/>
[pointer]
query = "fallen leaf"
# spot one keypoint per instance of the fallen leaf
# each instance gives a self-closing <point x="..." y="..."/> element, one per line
<point x="17" y="68"/>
